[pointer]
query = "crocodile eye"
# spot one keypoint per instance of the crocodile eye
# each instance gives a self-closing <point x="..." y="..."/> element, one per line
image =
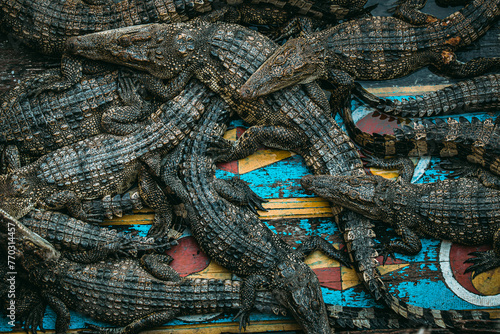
<point x="287" y="72"/>
<point x="354" y="182"/>
<point x="353" y="194"/>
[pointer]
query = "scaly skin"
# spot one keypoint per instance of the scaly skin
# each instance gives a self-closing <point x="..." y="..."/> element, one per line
<point x="106" y="164"/>
<point x="472" y="95"/>
<point x="474" y="141"/>
<point x="234" y="237"/>
<point x="108" y="102"/>
<point x="137" y="294"/>
<point x="177" y="296"/>
<point x="377" y="48"/>
<point x="73" y="235"/>
<point x="462" y="210"/>
<point x="46" y="24"/>
<point x="223" y="56"/>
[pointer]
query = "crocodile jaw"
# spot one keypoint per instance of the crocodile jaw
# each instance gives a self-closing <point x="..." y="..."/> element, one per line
<point x="153" y="48"/>
<point x="292" y="63"/>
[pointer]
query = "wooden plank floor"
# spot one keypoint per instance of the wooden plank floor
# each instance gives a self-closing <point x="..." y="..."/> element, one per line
<point x="434" y="278"/>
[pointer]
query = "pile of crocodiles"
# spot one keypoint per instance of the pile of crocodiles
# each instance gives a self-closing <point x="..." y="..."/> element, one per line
<point x="135" y="116"/>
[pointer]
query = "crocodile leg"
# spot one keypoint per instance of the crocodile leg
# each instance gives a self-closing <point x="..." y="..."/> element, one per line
<point x="484" y="261"/>
<point x="248" y="291"/>
<point x="155" y="198"/>
<point x="317" y="95"/>
<point x="409" y="11"/>
<point x="123" y="120"/>
<point x="157" y="265"/>
<point x="100" y="253"/>
<point x="69" y="200"/>
<point x="447" y="63"/>
<point x="410" y="243"/>
<point x="239" y="193"/>
<point x="154" y="319"/>
<point x="404" y="165"/>
<point x="62" y="313"/>
<point x="268" y="135"/>
<point x="72" y="69"/>
<point x="317" y="243"/>
<point x="158" y="88"/>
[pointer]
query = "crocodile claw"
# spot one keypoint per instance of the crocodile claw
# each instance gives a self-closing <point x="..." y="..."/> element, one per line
<point x="482" y="262"/>
<point x="220" y="149"/>
<point x="386" y="253"/>
<point x="244" y="319"/>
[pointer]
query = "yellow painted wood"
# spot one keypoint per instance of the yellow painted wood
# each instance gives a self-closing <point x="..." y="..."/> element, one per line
<point x="296" y="208"/>
<point x="212" y="271"/>
<point x="488" y="283"/>
<point x="262" y="158"/>
<point x="232" y="327"/>
<point x="319" y="260"/>
<point x="406" y="90"/>
<point x="230" y="134"/>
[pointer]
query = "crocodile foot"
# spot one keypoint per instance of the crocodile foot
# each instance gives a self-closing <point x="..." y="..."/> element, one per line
<point x="244" y="318"/>
<point x="34" y="319"/>
<point x="386" y="253"/>
<point x="482" y="262"/>
<point x="220" y="149"/>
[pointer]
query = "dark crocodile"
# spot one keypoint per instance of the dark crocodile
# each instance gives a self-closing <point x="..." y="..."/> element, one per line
<point x="472" y="95"/>
<point x="106" y="164"/>
<point x="138" y="294"/>
<point x="378" y="48"/>
<point x="46" y="25"/>
<point x="223" y="56"/>
<point x="233" y="236"/>
<point x="474" y="141"/>
<point x="107" y="102"/>
<point x="464" y="210"/>
<point x="72" y="235"/>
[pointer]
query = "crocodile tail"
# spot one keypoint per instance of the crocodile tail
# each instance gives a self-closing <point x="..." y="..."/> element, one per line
<point x="471" y="22"/>
<point x="358" y="235"/>
<point x="477" y="94"/>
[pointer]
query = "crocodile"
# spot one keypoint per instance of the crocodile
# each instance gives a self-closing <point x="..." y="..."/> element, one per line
<point x="463" y="210"/>
<point x="473" y="141"/>
<point x="477" y="94"/>
<point x="106" y="164"/>
<point x="72" y="235"/>
<point x="233" y="236"/>
<point x="223" y="56"/>
<point x="137" y="294"/>
<point x="378" y="48"/>
<point x="46" y="25"/>
<point x="103" y="103"/>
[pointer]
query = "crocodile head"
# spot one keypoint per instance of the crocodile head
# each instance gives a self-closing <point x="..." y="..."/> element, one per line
<point x="297" y="288"/>
<point x="160" y="49"/>
<point x="295" y="62"/>
<point x="360" y="194"/>
<point x="28" y="247"/>
<point x="15" y="195"/>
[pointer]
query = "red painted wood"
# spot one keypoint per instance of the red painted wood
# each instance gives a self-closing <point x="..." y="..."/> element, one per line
<point x="188" y="257"/>
<point x="458" y="254"/>
<point x="329" y="277"/>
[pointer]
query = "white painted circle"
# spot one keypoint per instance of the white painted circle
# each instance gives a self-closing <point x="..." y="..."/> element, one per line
<point x="457" y="288"/>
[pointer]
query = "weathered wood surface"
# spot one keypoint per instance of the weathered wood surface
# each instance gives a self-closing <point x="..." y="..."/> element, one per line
<point x="431" y="279"/>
